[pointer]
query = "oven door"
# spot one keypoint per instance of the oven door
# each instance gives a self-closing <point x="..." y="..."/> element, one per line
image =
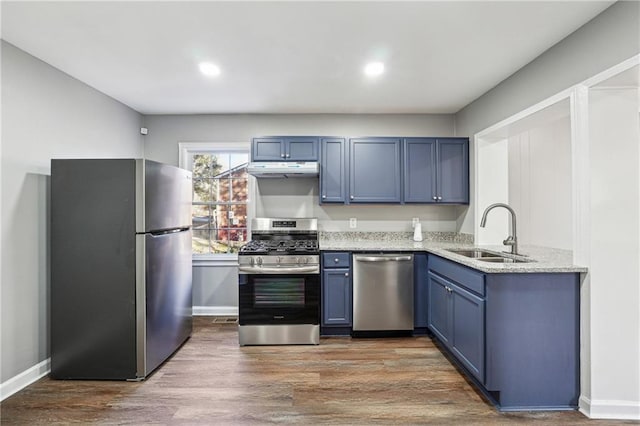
<point x="276" y="299"/>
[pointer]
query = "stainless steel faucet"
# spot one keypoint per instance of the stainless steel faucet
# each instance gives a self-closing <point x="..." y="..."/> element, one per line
<point x="512" y="239"/>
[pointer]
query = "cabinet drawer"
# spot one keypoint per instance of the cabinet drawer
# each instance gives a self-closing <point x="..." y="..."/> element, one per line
<point x="336" y="260"/>
<point x="459" y="274"/>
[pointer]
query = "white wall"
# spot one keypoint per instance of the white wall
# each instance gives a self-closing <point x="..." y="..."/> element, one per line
<point x="45" y="114"/>
<point x="540" y="184"/>
<point x="614" y="152"/>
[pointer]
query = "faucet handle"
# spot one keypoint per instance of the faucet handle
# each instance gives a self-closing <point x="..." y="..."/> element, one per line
<point x="510" y="241"/>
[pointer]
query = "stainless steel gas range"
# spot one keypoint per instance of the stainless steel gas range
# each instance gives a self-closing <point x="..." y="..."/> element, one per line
<point x="279" y="283"/>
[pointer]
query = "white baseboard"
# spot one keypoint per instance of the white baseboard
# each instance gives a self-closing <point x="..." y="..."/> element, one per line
<point x="216" y="311"/>
<point x="24" y="379"/>
<point x="608" y="409"/>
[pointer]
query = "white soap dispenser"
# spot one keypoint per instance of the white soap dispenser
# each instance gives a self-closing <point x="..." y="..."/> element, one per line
<point x="417" y="232"/>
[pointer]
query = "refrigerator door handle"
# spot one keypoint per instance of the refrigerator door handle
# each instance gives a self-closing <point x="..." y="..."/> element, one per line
<point x="168" y="232"/>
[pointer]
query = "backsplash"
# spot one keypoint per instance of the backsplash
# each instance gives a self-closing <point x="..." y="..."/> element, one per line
<point x="443" y="237"/>
<point x="299" y="198"/>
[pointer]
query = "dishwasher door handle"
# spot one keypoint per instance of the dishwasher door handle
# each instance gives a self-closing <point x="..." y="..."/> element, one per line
<point x="382" y="258"/>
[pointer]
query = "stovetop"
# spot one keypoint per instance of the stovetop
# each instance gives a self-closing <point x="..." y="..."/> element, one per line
<point x="282" y="236"/>
<point x="279" y="246"/>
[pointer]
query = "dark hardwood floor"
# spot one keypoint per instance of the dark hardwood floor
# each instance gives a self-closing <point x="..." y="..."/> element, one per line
<point x="211" y="380"/>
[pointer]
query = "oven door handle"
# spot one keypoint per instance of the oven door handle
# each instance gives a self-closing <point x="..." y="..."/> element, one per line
<point x="315" y="269"/>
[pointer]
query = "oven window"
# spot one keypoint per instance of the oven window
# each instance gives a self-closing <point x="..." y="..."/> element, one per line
<point x="278" y="292"/>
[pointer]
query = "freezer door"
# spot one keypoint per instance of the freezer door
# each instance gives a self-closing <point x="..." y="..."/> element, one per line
<point x="168" y="295"/>
<point x="167" y="197"/>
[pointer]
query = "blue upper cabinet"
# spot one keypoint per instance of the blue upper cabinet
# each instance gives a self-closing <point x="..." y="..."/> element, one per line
<point x="285" y="148"/>
<point x="333" y="170"/>
<point x="268" y="149"/>
<point x="436" y="170"/>
<point x="453" y="170"/>
<point x="301" y="148"/>
<point x="420" y="170"/>
<point x="375" y="170"/>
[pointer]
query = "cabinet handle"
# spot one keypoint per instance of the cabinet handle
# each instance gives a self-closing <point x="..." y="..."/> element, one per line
<point x="282" y="155"/>
<point x="336" y="260"/>
<point x="346" y="274"/>
<point x="439" y="198"/>
<point x="351" y="197"/>
<point x="324" y="196"/>
<point x="435" y="198"/>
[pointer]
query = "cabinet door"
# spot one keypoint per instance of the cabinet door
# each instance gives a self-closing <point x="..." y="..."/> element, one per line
<point x="374" y="170"/>
<point x="419" y="171"/>
<point x="421" y="291"/>
<point x="467" y="331"/>
<point x="336" y="297"/>
<point x="268" y="149"/>
<point x="453" y="170"/>
<point x="301" y="149"/>
<point x="438" y="308"/>
<point x="333" y="179"/>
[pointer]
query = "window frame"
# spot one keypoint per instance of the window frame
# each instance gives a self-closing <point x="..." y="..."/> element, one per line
<point x="185" y="152"/>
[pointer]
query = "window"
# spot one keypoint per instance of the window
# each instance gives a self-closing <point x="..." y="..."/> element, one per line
<point x="220" y="196"/>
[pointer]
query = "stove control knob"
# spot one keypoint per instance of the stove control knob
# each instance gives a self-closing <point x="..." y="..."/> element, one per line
<point x="305" y="260"/>
<point x="278" y="259"/>
<point x="298" y="260"/>
<point x="251" y="261"/>
<point x="259" y="261"/>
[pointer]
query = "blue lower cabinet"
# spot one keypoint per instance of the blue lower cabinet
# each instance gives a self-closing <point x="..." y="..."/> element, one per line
<point x="515" y="335"/>
<point x="420" y="294"/>
<point x="336" y="297"/>
<point x="456" y="317"/>
<point x="533" y="340"/>
<point x="439" y="308"/>
<point x="467" y="329"/>
<point x="337" y="293"/>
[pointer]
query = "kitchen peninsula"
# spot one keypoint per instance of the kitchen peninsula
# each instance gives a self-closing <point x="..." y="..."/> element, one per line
<point x="512" y="328"/>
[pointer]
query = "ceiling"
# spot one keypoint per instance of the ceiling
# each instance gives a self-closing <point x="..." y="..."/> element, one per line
<point x="292" y="56"/>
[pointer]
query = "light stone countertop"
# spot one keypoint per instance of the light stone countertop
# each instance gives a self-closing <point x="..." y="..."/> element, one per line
<point x="542" y="259"/>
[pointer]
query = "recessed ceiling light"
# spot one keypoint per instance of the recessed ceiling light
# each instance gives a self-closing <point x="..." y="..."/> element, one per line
<point x="374" y="69"/>
<point x="209" y="69"/>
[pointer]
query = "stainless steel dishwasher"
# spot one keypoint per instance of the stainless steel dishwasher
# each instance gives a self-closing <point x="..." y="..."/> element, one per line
<point x="383" y="292"/>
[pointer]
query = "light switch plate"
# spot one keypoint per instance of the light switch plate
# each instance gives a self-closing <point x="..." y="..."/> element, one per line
<point x="353" y="223"/>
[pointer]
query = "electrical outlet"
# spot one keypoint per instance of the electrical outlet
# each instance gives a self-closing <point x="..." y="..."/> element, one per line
<point x="414" y="221"/>
<point x="353" y="223"/>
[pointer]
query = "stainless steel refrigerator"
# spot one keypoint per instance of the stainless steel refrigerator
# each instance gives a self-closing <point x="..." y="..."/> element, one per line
<point x="121" y="295"/>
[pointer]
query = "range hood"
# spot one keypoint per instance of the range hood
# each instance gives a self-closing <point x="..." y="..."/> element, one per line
<point x="283" y="170"/>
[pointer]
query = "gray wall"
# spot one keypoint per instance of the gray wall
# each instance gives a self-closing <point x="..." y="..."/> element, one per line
<point x="165" y="131"/>
<point x="45" y="114"/>
<point x="299" y="197"/>
<point x="605" y="41"/>
<point x="216" y="286"/>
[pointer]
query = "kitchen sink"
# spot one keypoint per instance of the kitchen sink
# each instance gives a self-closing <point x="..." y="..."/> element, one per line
<point x="501" y="259"/>
<point x="487" y="256"/>
<point x="475" y="253"/>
